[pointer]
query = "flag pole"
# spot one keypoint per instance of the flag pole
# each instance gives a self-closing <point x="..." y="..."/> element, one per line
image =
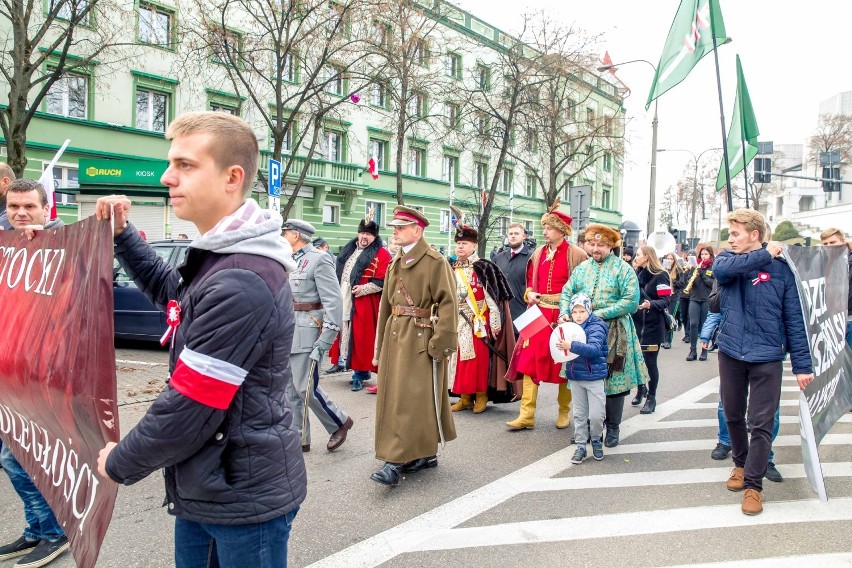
<point x="721" y="113"/>
<point x="450" y="169"/>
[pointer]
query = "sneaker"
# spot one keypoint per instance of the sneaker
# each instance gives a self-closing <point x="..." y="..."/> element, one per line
<point x="772" y="474"/>
<point x="43" y="554"/>
<point x="752" y="502"/>
<point x="18" y="548"/>
<point x="356" y="385"/>
<point x="579" y="455"/>
<point x="720" y="452"/>
<point x="597" y="450"/>
<point x="737" y="479"/>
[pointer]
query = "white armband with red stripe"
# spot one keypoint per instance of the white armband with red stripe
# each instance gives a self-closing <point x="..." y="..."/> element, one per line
<point x="204" y="379"/>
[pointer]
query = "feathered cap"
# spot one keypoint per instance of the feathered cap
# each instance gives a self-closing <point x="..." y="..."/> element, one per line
<point x="601" y="233"/>
<point x="367" y="225"/>
<point x="466" y="233"/>
<point x="556" y="219"/>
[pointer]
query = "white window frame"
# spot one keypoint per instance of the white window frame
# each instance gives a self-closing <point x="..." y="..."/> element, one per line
<point x="445" y="167"/>
<point x="334" y="80"/>
<point x="416" y="157"/>
<point x="379" y="214"/>
<point x="507" y="178"/>
<point x="480" y="174"/>
<point x="333" y="146"/>
<point x="63" y="90"/>
<point x="444" y="225"/>
<point x="334" y="210"/>
<point x="377" y="151"/>
<point x="150" y="35"/>
<point x="150" y="110"/>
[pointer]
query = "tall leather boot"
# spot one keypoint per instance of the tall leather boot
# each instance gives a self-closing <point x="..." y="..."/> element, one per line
<point x="563" y="397"/>
<point x="481" y="402"/>
<point x="640" y="394"/>
<point x="465" y="401"/>
<point x="614" y="410"/>
<point x="526" y="418"/>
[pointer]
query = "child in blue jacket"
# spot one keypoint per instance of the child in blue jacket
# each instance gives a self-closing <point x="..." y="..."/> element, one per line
<point x="586" y="375"/>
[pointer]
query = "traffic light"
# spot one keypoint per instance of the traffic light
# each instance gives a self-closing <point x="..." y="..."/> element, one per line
<point x="831" y="173"/>
<point x="762" y="170"/>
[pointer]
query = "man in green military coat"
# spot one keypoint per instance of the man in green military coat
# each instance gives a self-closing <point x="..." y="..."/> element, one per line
<point x="418" y="317"/>
<point x="613" y="287"/>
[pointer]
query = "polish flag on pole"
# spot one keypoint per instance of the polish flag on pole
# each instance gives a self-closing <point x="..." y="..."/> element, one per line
<point x="531" y="322"/>
<point x="373" y="168"/>
<point x="46" y="179"/>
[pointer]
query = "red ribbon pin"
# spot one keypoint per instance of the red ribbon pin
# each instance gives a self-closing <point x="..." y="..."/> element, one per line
<point x="173" y="319"/>
<point x="761" y="277"/>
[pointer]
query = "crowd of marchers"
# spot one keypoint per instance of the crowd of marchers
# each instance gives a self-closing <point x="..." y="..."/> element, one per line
<point x="262" y="304"/>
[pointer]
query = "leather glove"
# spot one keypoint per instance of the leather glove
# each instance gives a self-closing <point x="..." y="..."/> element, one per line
<point x="320" y="347"/>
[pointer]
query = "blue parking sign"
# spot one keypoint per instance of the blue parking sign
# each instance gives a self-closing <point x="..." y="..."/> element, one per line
<point x="274" y="178"/>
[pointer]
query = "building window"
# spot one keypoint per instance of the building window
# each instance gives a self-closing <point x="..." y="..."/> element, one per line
<point x="378" y="151"/>
<point x="590" y="116"/>
<point x="421" y="52"/>
<point x="453" y="116"/>
<point x="445" y="221"/>
<point x="336" y="23"/>
<point x="417" y="162"/>
<point x="333" y="146"/>
<point x="69" y="10"/>
<point x="451" y="164"/>
<point x="417" y="105"/>
<point x="64" y="177"/>
<point x="381" y="34"/>
<point x="507" y="180"/>
<point x="480" y="174"/>
<point x="607" y="162"/>
<point x="530" y="186"/>
<point x="483" y="78"/>
<point x="226" y="46"/>
<point x="333" y="80"/>
<point x="480" y="123"/>
<point x="227" y="109"/>
<point x="379" y="95"/>
<point x="155" y="25"/>
<point x="532" y="140"/>
<point x="378" y="209"/>
<point x="331" y="214"/>
<point x="454" y="65"/>
<point x="288" y="68"/>
<point x="502" y="226"/>
<point x="68" y="96"/>
<point x="606" y="197"/>
<point x="608" y="129"/>
<point x="528" y="227"/>
<point x="152" y="108"/>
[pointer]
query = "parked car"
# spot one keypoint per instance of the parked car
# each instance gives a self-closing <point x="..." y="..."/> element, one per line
<point x="135" y="316"/>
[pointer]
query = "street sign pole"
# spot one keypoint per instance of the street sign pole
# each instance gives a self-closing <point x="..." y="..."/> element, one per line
<point x="274" y="185"/>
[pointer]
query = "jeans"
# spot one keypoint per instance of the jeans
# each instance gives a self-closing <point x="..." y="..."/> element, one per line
<point x="259" y="545"/>
<point x="41" y="523"/>
<point x="725" y="438"/>
<point x="756" y="386"/>
<point x="361" y="376"/>
<point x="589" y="405"/>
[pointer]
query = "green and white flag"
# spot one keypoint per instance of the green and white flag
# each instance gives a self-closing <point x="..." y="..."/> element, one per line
<point x="742" y="137"/>
<point x="689" y="40"/>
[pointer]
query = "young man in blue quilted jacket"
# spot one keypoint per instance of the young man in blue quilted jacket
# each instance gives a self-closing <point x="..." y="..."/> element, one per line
<point x="761" y="322"/>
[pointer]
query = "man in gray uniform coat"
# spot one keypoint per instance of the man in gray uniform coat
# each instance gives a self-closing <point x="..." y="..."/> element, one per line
<point x="318" y="307"/>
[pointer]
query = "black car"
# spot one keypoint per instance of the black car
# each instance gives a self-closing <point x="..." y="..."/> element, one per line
<point x="135" y="316"/>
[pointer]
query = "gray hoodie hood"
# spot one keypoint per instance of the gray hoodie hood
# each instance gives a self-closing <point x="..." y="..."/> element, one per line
<point x="262" y="239"/>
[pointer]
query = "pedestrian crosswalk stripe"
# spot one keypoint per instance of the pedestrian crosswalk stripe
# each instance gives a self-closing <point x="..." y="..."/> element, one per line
<point x="714" y="405"/>
<point x="714" y="422"/>
<point x="709" y="444"/>
<point x="674" y="477"/>
<point x="635" y="523"/>
<point x="809" y="560"/>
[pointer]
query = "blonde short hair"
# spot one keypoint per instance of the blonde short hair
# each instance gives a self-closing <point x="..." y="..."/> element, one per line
<point x="830" y="232"/>
<point x="233" y="142"/>
<point x="750" y="219"/>
<point x="6" y="171"/>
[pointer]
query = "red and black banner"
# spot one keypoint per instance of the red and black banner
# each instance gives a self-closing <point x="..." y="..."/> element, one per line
<point x="58" y="403"/>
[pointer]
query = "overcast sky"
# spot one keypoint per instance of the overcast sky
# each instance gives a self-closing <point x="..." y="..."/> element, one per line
<point x="795" y="54"/>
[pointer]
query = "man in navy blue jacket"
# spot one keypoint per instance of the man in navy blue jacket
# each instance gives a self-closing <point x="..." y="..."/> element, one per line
<point x="761" y="322"/>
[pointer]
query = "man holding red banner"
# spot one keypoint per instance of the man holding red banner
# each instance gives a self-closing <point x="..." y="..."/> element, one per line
<point x="547" y="272"/>
<point x="234" y="471"/>
<point x="43" y="540"/>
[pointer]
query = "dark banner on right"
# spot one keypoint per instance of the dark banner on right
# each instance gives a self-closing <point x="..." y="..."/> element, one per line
<point x="823" y="280"/>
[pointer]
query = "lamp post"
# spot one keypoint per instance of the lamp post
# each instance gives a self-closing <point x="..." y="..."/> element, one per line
<point x="652" y="194"/>
<point x="696" y="160"/>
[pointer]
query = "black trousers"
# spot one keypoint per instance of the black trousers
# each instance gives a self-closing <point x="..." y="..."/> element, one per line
<point x="756" y="386"/>
<point x="697" y="315"/>
<point x="653" y="370"/>
<point x="683" y="313"/>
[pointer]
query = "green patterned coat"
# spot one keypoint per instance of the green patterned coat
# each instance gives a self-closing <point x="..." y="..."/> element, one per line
<point x="614" y="289"/>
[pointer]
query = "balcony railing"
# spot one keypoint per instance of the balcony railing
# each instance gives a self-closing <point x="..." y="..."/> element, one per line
<point x="349" y="174"/>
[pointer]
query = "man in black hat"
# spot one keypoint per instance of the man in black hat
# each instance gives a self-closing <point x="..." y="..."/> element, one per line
<point x="361" y="268"/>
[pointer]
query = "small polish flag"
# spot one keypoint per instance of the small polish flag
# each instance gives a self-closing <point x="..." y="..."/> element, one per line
<point x="372" y="168"/>
<point x="664" y="290"/>
<point x="531" y="322"/>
